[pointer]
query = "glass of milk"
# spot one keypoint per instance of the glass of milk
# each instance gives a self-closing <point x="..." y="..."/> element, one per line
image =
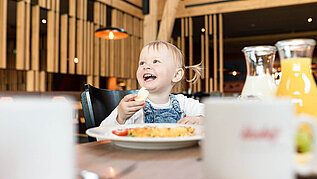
<point x="260" y="79"/>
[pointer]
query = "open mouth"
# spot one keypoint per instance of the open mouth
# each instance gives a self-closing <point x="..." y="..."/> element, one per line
<point x="149" y="77"/>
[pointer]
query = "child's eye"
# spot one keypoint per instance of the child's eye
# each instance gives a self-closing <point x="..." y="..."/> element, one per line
<point x="156" y="61"/>
<point x="141" y="63"/>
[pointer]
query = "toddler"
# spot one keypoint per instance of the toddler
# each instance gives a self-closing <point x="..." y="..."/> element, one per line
<point x="161" y="66"/>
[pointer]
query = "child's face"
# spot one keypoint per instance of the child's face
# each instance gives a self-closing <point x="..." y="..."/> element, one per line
<point x="157" y="70"/>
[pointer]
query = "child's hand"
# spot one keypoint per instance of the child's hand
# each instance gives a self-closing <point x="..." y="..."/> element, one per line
<point x="128" y="107"/>
<point x="191" y="120"/>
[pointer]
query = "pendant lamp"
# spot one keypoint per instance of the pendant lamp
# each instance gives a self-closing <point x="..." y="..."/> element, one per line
<point x="111" y="33"/>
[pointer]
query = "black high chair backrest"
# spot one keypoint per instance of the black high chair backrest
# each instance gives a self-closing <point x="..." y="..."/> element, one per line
<point x="99" y="103"/>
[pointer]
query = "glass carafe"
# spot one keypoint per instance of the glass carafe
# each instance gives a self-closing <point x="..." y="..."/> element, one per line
<point x="260" y="80"/>
<point x="297" y="81"/>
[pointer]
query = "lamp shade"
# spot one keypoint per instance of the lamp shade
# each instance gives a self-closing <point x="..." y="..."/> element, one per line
<point x="111" y="33"/>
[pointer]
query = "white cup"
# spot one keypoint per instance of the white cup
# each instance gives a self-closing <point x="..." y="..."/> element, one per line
<point x="36" y="137"/>
<point x="253" y="139"/>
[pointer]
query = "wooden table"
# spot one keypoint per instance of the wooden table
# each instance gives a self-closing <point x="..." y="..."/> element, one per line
<point x="110" y="161"/>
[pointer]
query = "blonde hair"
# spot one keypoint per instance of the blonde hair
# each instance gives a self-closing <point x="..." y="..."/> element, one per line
<point x="178" y="57"/>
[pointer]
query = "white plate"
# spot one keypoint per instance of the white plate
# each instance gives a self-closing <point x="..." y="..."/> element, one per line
<point x="157" y="143"/>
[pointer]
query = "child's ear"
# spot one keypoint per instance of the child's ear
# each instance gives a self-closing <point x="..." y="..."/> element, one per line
<point x="178" y="75"/>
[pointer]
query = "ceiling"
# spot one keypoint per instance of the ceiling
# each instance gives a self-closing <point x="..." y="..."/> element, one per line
<point x="267" y="26"/>
<point x="254" y="27"/>
<point x="258" y="27"/>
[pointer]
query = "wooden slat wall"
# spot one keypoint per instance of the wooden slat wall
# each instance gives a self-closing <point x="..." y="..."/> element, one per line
<point x="209" y="80"/>
<point x="69" y="36"/>
<point x="3" y="33"/>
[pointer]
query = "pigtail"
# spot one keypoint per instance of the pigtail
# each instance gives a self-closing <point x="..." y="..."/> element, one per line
<point x="197" y="69"/>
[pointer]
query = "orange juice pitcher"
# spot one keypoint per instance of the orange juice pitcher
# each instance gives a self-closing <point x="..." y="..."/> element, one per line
<point x="297" y="81"/>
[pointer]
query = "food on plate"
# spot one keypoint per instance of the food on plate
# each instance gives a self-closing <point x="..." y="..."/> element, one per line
<point x="120" y="132"/>
<point x="181" y="131"/>
<point x="142" y="95"/>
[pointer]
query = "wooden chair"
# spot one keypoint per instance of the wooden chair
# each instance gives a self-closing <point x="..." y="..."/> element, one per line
<point x="98" y="103"/>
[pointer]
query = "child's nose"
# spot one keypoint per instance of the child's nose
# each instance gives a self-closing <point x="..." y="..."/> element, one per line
<point x="146" y="66"/>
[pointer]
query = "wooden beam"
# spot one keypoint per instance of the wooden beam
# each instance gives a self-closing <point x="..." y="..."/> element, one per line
<point x="79" y="46"/>
<point x="85" y="10"/>
<point x="72" y="8"/>
<point x="150" y="23"/>
<point x="43" y="80"/>
<point x="102" y="57"/>
<point x="220" y="53"/>
<point x="183" y="35"/>
<point x="30" y="80"/>
<point x="85" y="47"/>
<point x="63" y="42"/>
<point x="125" y="7"/>
<point x="3" y="33"/>
<point x="89" y="52"/>
<point x="202" y="52"/>
<point x="91" y="57"/>
<point x="233" y="6"/>
<point x="206" y="66"/>
<point x="191" y="50"/>
<point x="56" y="41"/>
<point x="132" y="55"/>
<point x="186" y="26"/>
<point x="27" y="35"/>
<point x="80" y="9"/>
<point x="215" y="77"/>
<point x="123" y="65"/>
<point x="114" y="60"/>
<point x="72" y="44"/>
<point x="57" y="5"/>
<point x="42" y="3"/>
<point x="96" y="61"/>
<point x="168" y="19"/>
<point x="136" y="2"/>
<point x="265" y="38"/>
<point x="20" y="40"/>
<point x="36" y="81"/>
<point x="35" y="38"/>
<point x="50" y="41"/>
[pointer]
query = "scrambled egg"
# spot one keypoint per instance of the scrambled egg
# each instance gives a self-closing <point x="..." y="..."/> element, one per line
<point x="161" y="132"/>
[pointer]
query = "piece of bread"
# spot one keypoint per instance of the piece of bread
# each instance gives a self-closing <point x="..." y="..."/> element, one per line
<point x="142" y="95"/>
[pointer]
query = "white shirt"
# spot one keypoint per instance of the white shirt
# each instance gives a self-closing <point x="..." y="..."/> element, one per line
<point x="191" y="107"/>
